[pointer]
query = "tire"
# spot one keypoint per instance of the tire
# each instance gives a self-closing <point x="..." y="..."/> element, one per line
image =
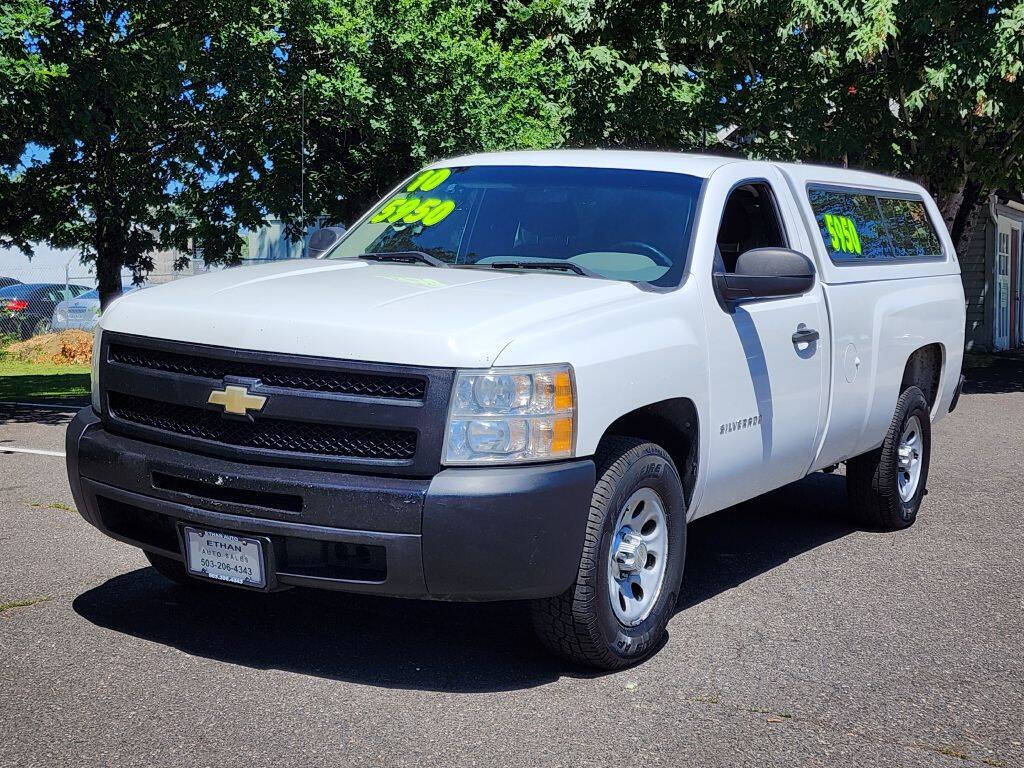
<point x="581" y="624"/>
<point x="42" y="326"/>
<point x="173" y="570"/>
<point x="874" y="479"/>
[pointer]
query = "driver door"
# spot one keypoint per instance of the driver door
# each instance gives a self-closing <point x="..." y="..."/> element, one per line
<point x="767" y="389"/>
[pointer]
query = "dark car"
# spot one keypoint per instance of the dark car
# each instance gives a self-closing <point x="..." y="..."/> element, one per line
<point x="6" y="281"/>
<point x="26" y="308"/>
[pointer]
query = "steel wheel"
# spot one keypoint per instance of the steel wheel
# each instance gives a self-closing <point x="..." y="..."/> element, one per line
<point x="637" y="557"/>
<point x="909" y="458"/>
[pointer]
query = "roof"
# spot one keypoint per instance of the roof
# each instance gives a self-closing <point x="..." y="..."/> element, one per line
<point x="675" y="162"/>
<point x="693" y="164"/>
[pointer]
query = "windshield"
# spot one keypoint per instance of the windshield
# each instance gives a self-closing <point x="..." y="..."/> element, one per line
<point x="613" y="223"/>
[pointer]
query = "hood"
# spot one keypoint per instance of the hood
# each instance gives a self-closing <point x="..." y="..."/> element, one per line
<point x="356" y="310"/>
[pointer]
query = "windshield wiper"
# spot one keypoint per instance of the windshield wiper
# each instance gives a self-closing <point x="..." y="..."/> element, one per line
<point x="542" y="265"/>
<point x="409" y="257"/>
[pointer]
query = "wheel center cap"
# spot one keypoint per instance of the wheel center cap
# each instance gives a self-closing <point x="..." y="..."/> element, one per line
<point x="631" y="554"/>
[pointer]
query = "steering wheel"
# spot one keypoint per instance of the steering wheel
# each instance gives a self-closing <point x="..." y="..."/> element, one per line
<point x="649" y="250"/>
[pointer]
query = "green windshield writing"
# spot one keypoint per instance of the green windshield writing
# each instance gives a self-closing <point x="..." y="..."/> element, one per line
<point x="427" y="180"/>
<point x="410" y="209"/>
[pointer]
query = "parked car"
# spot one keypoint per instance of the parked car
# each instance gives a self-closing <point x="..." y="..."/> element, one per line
<point x="80" y="313"/>
<point x="520" y="376"/>
<point x="6" y="281"/>
<point x="26" y="308"/>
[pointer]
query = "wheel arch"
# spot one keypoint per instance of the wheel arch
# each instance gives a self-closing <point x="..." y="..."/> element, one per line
<point x="674" y="424"/>
<point x="923" y="369"/>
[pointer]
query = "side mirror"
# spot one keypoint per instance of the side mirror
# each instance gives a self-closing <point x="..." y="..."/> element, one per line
<point x="321" y="241"/>
<point x="764" y="273"/>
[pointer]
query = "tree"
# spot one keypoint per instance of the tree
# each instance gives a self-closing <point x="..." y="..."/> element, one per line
<point x="380" y="88"/>
<point x="23" y="73"/>
<point x="134" y="156"/>
<point x="181" y="122"/>
<point x="921" y="89"/>
<point x="916" y="88"/>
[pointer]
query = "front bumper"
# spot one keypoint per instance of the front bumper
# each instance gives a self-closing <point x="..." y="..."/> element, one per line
<point x="464" y="534"/>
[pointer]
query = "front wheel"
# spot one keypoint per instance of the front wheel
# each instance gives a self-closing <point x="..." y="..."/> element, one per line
<point x="886" y="485"/>
<point x="628" y="582"/>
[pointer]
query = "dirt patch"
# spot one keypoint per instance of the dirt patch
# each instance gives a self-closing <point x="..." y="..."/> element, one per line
<point x="64" y="348"/>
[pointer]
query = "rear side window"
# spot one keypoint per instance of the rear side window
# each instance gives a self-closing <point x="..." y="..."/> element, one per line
<point x="862" y="226"/>
<point x="910" y="229"/>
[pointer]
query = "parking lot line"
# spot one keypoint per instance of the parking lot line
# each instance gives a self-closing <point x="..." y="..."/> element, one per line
<point x="49" y="406"/>
<point x="38" y="451"/>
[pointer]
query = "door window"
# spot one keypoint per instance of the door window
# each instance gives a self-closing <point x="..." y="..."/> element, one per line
<point x="750" y="220"/>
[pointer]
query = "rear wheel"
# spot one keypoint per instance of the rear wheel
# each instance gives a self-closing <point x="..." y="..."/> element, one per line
<point x="42" y="326"/>
<point x="626" y="589"/>
<point x="886" y="485"/>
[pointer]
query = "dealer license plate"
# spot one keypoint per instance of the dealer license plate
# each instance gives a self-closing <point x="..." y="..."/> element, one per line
<point x="221" y="556"/>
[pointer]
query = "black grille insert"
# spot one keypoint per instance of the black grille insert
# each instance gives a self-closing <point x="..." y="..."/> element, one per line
<point x="286" y="502"/>
<point x="266" y="434"/>
<point x="136" y="524"/>
<point x="290" y="377"/>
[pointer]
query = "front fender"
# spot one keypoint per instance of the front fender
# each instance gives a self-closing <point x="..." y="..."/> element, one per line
<point x="626" y="356"/>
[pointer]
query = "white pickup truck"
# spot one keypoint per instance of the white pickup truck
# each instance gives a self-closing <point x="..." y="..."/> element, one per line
<point x="520" y="375"/>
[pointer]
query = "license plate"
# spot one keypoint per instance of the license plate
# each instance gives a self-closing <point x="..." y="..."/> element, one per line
<point x="224" y="557"/>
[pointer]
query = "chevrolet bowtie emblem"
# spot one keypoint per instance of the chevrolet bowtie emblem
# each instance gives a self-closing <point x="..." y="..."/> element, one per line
<point x="236" y="400"/>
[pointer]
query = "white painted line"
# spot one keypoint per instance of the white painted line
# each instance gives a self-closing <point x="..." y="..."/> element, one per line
<point x="37" y="451"/>
<point x="51" y="406"/>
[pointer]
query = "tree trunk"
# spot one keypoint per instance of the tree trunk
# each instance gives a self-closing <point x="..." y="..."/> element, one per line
<point x="965" y="220"/>
<point x="108" y="274"/>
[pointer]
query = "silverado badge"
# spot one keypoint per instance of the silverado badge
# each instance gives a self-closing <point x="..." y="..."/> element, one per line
<point x="236" y="400"/>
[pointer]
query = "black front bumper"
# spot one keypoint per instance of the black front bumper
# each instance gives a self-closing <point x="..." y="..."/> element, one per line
<point x="464" y="534"/>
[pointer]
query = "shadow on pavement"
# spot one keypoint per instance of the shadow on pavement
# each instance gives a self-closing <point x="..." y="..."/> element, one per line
<point x="995" y="374"/>
<point x="440" y="646"/>
<point x="730" y="547"/>
<point x="19" y="414"/>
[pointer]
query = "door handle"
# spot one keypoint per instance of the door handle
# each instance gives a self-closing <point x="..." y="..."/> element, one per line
<point x="805" y="336"/>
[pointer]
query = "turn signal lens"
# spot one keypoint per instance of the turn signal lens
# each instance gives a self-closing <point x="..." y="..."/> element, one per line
<point x="511" y="415"/>
<point x="561" y="438"/>
<point x="563" y="392"/>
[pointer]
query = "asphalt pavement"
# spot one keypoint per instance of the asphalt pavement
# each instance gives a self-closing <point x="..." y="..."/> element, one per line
<point x="801" y="640"/>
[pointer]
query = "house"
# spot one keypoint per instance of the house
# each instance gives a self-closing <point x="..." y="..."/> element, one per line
<point x="993" y="275"/>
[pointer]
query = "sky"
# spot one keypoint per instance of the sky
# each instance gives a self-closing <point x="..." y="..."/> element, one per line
<point x="47" y="266"/>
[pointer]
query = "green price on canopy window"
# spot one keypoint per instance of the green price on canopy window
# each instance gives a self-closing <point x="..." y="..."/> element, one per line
<point x="843" y="233"/>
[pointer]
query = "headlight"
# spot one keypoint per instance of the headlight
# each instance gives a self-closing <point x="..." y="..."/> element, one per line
<point x="95" y="379"/>
<point x="60" y="316"/>
<point x="511" y="415"/>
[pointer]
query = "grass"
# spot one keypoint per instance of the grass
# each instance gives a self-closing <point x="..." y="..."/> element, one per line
<point x="54" y="505"/>
<point x="23" y="603"/>
<point x="30" y="382"/>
